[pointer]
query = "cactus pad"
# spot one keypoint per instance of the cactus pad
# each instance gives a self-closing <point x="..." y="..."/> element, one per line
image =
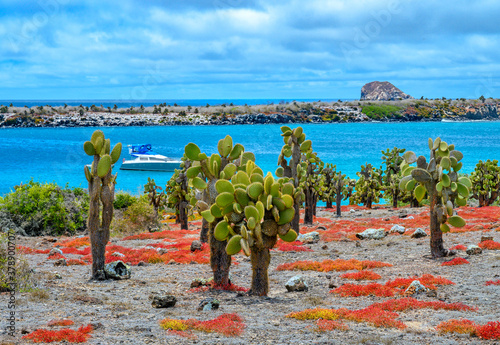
<point x="104" y="166"/>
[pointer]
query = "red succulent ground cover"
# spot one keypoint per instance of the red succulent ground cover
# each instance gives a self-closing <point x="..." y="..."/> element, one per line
<point x="330" y="325"/>
<point x="166" y="234"/>
<point x="227" y="287"/>
<point x="492" y="282"/>
<point x="455" y="261"/>
<point x="227" y="324"/>
<point x="74" y="242"/>
<point x="296" y="246"/>
<point x="459" y="247"/>
<point x="61" y="322"/>
<point x="28" y="250"/>
<point x="492" y="245"/>
<point x="390" y="288"/>
<point x="410" y="303"/>
<point x="81" y="335"/>
<point x="490" y="330"/>
<point x="362" y="275"/>
<point x="331" y="265"/>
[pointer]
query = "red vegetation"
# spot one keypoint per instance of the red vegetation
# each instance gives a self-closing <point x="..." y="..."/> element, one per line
<point x="331" y="265"/>
<point x="48" y="336"/>
<point x="491" y="282"/>
<point x="354" y="290"/>
<point x="296" y="246"/>
<point x="227" y="324"/>
<point x="62" y="322"/>
<point x="56" y="256"/>
<point x="72" y="262"/>
<point x="459" y="247"/>
<point x="74" y="242"/>
<point x="491" y="330"/>
<point x="170" y="234"/>
<point x="409" y="303"/>
<point x="455" y="261"/>
<point x="428" y="280"/>
<point x="492" y="245"/>
<point x="28" y="250"/>
<point x="330" y="325"/>
<point x="362" y="275"/>
<point x="227" y="287"/>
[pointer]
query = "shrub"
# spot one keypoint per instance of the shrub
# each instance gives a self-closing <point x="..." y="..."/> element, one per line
<point x="23" y="278"/>
<point x="45" y="208"/>
<point x="227" y="324"/>
<point x="455" y="261"/>
<point x="48" y="336"/>
<point x="123" y="200"/>
<point x="377" y="112"/>
<point x="138" y="217"/>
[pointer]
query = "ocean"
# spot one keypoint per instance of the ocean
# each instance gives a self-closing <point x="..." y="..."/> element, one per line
<point x="56" y="154"/>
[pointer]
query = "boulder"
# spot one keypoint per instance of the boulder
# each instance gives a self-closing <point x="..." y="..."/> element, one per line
<point x="372" y="234"/>
<point x="196" y="245"/>
<point x="60" y="262"/>
<point x="414" y="288"/>
<point x="419" y="233"/>
<point x="209" y="304"/>
<point x="117" y="270"/>
<point x="55" y="251"/>
<point x="310" y="237"/>
<point x="166" y="301"/>
<point x="382" y="91"/>
<point x="398" y="228"/>
<point x="486" y="238"/>
<point x="473" y="250"/>
<point x="120" y="255"/>
<point x="296" y="283"/>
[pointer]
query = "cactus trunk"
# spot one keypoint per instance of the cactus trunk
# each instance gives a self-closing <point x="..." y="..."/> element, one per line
<point x="98" y="241"/>
<point x="329" y="204"/>
<point x="183" y="215"/>
<point x="395" y="197"/>
<point x="338" y="197"/>
<point x="204" y="231"/>
<point x="260" y="259"/>
<point x="437" y="248"/>
<point x="309" y="208"/>
<point x="219" y="260"/>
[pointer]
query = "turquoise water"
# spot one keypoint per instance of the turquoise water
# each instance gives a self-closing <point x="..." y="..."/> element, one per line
<point x="56" y="154"/>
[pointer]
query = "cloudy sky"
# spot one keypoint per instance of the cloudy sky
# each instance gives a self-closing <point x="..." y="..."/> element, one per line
<point x="233" y="49"/>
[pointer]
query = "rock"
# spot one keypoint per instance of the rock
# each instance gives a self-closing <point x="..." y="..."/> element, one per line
<point x="60" y="262"/>
<point x="296" y="283"/>
<point x="196" y="245"/>
<point x="166" y="301"/>
<point x="324" y="247"/>
<point x="200" y="282"/>
<point x="419" y="233"/>
<point x="161" y="251"/>
<point x="55" y="251"/>
<point x="208" y="304"/>
<point x="486" y="238"/>
<point x="117" y="270"/>
<point x="473" y="250"/>
<point x="310" y="237"/>
<point x="382" y="91"/>
<point x="398" y="228"/>
<point x="57" y="276"/>
<point x="372" y="234"/>
<point x="352" y="210"/>
<point x="150" y="248"/>
<point x="321" y="227"/>
<point x="414" y="288"/>
<point x="118" y="254"/>
<point x="410" y="217"/>
<point x="142" y="263"/>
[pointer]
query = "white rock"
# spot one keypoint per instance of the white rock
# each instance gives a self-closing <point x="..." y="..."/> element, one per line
<point x="372" y="234"/>
<point x="398" y="228"/>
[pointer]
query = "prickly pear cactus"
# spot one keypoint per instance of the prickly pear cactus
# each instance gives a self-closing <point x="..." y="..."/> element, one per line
<point x="392" y="160"/>
<point x="368" y="189"/>
<point x="310" y="183"/>
<point x="180" y="193"/>
<point x="156" y="196"/>
<point x="251" y="211"/>
<point x="203" y="175"/>
<point x="101" y="191"/>
<point x="335" y="187"/>
<point x="295" y="145"/>
<point x="439" y="178"/>
<point x="486" y="182"/>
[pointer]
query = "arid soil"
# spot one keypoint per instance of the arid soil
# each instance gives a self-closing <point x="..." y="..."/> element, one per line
<point x="121" y="311"/>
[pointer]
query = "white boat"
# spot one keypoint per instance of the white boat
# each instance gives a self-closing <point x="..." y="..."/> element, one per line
<point x="143" y="158"/>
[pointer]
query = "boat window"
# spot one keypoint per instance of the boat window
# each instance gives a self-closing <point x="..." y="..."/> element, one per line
<point x="143" y="158"/>
<point x="156" y="159"/>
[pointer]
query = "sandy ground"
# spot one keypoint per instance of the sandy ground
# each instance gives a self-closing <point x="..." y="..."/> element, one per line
<point x="123" y="314"/>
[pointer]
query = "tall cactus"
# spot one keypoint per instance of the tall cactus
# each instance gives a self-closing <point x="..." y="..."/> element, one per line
<point x="336" y="187"/>
<point x="156" y="197"/>
<point x="250" y="212"/>
<point x="392" y="161"/>
<point x="368" y="189"/>
<point x="204" y="173"/>
<point x="310" y="183"/>
<point x="295" y="145"/>
<point x="486" y="182"/>
<point x="179" y="194"/>
<point x="101" y="191"/>
<point x="440" y="179"/>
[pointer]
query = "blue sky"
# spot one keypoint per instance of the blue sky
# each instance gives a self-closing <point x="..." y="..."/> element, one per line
<point x="229" y="49"/>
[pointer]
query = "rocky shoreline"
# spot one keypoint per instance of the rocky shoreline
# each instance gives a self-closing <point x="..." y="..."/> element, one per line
<point x="413" y="111"/>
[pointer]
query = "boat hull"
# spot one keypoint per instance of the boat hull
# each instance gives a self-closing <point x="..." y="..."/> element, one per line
<point x="149" y="166"/>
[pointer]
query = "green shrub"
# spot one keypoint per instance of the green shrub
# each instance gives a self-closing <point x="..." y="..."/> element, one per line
<point x="23" y="278"/>
<point x="45" y="208"/>
<point x="123" y="200"/>
<point x="137" y="218"/>
<point x="382" y="111"/>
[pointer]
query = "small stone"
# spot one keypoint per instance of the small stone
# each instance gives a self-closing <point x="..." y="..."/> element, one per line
<point x="57" y="276"/>
<point x="118" y="254"/>
<point x="55" y="251"/>
<point x="208" y="304"/>
<point x="172" y="262"/>
<point x="486" y="238"/>
<point x="410" y="217"/>
<point x="166" y="301"/>
<point x="60" y="262"/>
<point x="333" y="284"/>
<point x="310" y="237"/>
<point x="161" y="251"/>
<point x="328" y="276"/>
<point x="196" y="245"/>
<point x="352" y="210"/>
<point x="419" y="233"/>
<point x="398" y="228"/>
<point x="473" y="250"/>
<point x="142" y="263"/>
<point x="372" y="234"/>
<point x="442" y="296"/>
<point x="199" y="282"/>
<point x="150" y="248"/>
<point x="431" y="293"/>
<point x="324" y="247"/>
<point x="414" y="288"/>
<point x="117" y="270"/>
<point x="321" y="227"/>
<point x="358" y="244"/>
<point x="296" y="283"/>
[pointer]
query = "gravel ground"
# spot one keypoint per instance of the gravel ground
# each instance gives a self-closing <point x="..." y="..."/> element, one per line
<point x="123" y="314"/>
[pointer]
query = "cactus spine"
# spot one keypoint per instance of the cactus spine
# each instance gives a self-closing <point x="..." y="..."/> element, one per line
<point x="295" y="144"/>
<point x="440" y="179"/>
<point x="101" y="192"/>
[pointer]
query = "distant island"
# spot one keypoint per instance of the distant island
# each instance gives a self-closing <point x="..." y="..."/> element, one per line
<point x="408" y="109"/>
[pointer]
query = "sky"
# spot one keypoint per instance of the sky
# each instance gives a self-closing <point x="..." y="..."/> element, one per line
<point x="247" y="49"/>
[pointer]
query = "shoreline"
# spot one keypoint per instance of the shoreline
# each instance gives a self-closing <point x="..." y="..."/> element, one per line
<point x="299" y="113"/>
